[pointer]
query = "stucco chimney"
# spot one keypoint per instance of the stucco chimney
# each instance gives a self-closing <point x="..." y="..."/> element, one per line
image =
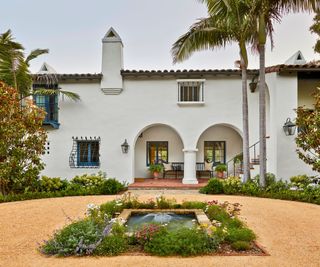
<point x="112" y="63"/>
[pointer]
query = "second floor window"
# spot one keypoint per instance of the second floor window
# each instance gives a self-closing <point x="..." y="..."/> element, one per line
<point x="49" y="103"/>
<point x="190" y="91"/>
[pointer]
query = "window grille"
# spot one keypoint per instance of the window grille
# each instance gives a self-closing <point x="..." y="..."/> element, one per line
<point x="191" y="91"/>
<point x="85" y="152"/>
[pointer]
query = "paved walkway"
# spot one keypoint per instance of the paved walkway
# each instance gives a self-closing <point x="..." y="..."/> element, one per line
<point x="288" y="230"/>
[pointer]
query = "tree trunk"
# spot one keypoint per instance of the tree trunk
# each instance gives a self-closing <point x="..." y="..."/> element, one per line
<point x="245" y="122"/>
<point x="262" y="114"/>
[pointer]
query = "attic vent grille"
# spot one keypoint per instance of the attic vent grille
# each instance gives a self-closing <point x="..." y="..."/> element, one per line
<point x="111" y="34"/>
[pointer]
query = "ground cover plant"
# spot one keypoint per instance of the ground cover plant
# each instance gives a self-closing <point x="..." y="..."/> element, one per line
<point x="103" y="233"/>
<point x="300" y="188"/>
<point x="86" y="184"/>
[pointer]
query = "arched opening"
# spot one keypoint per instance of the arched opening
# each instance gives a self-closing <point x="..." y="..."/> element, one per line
<point x="156" y="143"/>
<point x="219" y="144"/>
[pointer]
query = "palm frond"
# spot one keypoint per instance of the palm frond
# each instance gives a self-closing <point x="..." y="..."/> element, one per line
<point x="207" y="33"/>
<point x="44" y="91"/>
<point x="71" y="95"/>
<point x="35" y="53"/>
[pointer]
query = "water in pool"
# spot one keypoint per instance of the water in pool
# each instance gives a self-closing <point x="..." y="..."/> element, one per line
<point x="170" y="219"/>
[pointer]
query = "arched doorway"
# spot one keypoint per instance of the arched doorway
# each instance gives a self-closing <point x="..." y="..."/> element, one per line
<point x="156" y="143"/>
<point x="219" y="144"/>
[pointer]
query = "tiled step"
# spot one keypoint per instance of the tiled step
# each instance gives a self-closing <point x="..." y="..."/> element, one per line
<point x="165" y="184"/>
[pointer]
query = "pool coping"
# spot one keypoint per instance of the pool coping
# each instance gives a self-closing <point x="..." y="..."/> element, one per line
<point x="199" y="214"/>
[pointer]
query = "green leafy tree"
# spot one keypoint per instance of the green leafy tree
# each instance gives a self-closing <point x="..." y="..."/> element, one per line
<point x="308" y="138"/>
<point x="22" y="141"/>
<point x="14" y="69"/>
<point x="315" y="28"/>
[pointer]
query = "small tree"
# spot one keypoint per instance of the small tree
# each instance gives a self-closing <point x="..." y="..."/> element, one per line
<point x="308" y="139"/>
<point x="22" y="141"/>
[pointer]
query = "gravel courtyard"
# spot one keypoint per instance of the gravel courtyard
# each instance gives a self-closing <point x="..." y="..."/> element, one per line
<point x="289" y="231"/>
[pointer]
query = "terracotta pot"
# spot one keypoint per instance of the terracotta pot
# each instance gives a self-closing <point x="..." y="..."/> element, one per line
<point x="155" y="175"/>
<point x="220" y="174"/>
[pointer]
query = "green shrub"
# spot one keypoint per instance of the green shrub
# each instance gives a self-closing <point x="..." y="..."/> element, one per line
<point x="240" y="234"/>
<point x="277" y="186"/>
<point x="77" y="238"/>
<point x="214" y="186"/>
<point x="118" y="229"/>
<point x="110" y="208"/>
<point x="234" y="223"/>
<point x="241" y="245"/>
<point x="112" y="245"/>
<point x="183" y="241"/>
<point x="39" y="195"/>
<point x="111" y="186"/>
<point x="193" y="205"/>
<point x="300" y="181"/>
<point x="155" y="168"/>
<point x="48" y="184"/>
<point x="274" y="189"/>
<point x="215" y="212"/>
<point x="221" y="168"/>
<point x="232" y="185"/>
<point x="164" y="203"/>
<point x="151" y="204"/>
<point x="270" y="179"/>
<point x="89" y="180"/>
<point x="251" y="188"/>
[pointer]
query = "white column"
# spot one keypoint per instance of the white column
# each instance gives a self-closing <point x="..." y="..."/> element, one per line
<point x="189" y="175"/>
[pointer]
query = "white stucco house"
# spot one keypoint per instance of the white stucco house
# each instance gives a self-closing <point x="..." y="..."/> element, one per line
<point x="184" y="117"/>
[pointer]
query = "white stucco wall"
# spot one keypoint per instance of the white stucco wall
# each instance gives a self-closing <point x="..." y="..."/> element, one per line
<point x="154" y="101"/>
<point x="282" y="156"/>
<point x="142" y="103"/>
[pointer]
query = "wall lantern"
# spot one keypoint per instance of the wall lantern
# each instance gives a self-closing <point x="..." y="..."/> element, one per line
<point x="253" y="84"/>
<point x="125" y="147"/>
<point x="289" y="127"/>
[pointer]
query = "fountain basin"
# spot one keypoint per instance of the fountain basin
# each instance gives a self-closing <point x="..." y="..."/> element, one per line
<point x="172" y="218"/>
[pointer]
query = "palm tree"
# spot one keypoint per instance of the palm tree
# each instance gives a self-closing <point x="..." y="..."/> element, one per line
<point x="266" y="11"/>
<point x="14" y="68"/>
<point x="226" y="25"/>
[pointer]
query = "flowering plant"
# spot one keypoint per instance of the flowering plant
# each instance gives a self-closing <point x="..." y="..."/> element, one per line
<point x="146" y="232"/>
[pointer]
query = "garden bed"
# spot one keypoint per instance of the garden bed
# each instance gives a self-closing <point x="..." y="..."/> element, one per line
<point x="104" y="233"/>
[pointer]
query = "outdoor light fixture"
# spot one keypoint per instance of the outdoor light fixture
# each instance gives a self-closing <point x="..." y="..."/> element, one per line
<point x="253" y="84"/>
<point x="125" y="147"/>
<point x="289" y="127"/>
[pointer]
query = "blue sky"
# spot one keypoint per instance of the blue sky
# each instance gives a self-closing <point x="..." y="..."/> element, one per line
<point x="73" y="30"/>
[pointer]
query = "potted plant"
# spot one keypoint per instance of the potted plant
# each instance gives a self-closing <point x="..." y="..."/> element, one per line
<point x="220" y="169"/>
<point x="155" y="169"/>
